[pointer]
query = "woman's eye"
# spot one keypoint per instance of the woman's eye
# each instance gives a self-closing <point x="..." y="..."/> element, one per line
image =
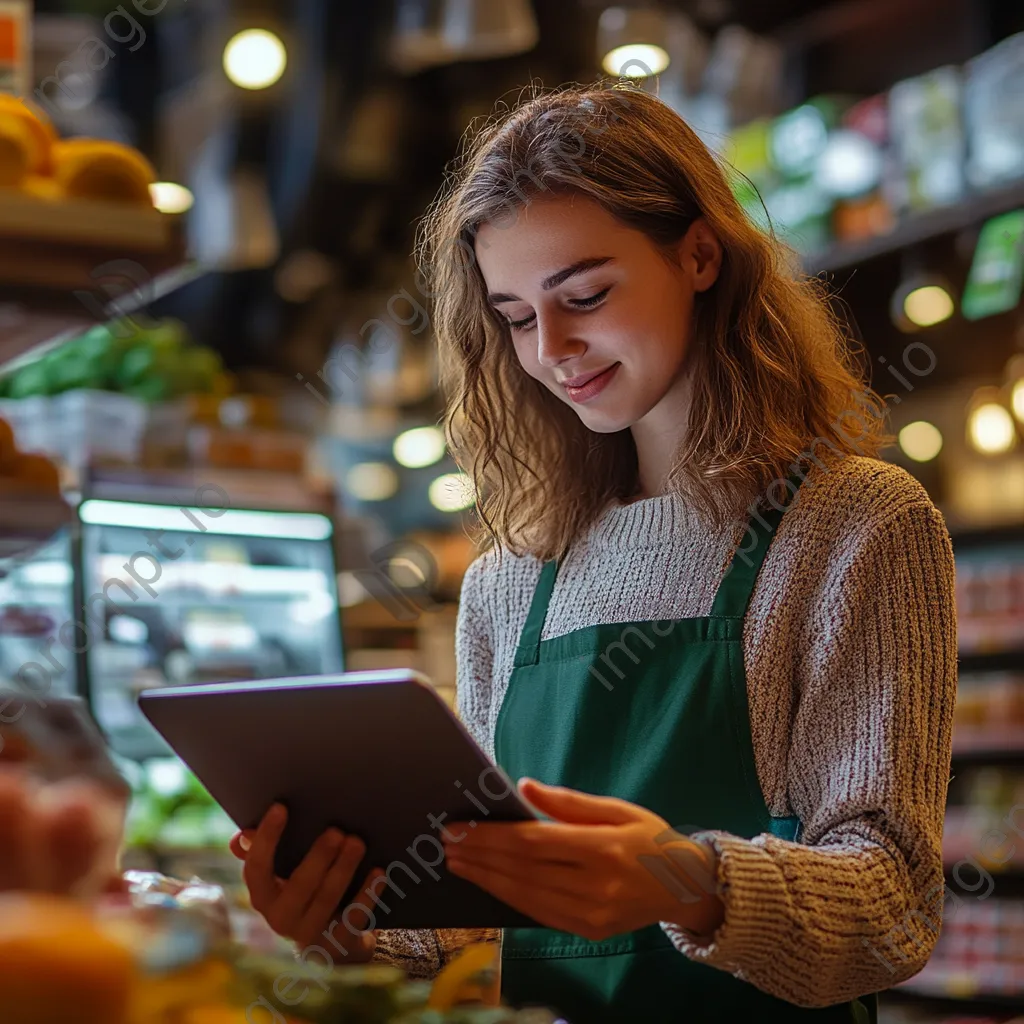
<point x="519" y="325"/>
<point x="591" y="300"/>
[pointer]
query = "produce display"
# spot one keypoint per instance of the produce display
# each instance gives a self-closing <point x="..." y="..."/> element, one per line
<point x="152" y="364"/>
<point x="141" y="948"/>
<point x="144" y="958"/>
<point x="35" y="161"/>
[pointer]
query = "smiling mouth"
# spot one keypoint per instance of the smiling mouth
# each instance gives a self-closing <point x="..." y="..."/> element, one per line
<point x="584" y="378"/>
<point x="590" y="385"/>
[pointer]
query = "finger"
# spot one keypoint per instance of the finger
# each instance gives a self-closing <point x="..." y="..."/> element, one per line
<point x="306" y="880"/>
<point x="336" y="882"/>
<point x="536" y="840"/>
<point x="258" y="870"/>
<point x="349" y="928"/>
<point x="367" y="900"/>
<point x="241" y="843"/>
<point x="548" y="908"/>
<point x="574" y="880"/>
<point x="18" y="842"/>
<point x="576" y="808"/>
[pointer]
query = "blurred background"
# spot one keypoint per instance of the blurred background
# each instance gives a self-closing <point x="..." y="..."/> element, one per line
<point x="207" y="211"/>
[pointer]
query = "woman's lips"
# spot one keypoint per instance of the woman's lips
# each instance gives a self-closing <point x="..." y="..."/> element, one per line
<point x="591" y="387"/>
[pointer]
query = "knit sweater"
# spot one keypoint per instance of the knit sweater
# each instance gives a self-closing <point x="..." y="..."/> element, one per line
<point x="851" y="661"/>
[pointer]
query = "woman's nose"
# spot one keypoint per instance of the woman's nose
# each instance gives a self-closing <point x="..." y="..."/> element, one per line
<point x="555" y="342"/>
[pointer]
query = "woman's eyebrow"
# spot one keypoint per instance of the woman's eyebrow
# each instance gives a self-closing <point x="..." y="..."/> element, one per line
<point x="559" y="277"/>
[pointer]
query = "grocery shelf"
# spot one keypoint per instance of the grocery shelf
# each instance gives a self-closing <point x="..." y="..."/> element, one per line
<point x="989" y="753"/>
<point x="68" y="264"/>
<point x="917" y="228"/>
<point x="989" y="536"/>
<point x="35" y="320"/>
<point x="992" y="661"/>
<point x="929" y="998"/>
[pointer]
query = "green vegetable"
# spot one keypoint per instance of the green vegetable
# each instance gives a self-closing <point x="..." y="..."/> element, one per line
<point x="30" y="380"/>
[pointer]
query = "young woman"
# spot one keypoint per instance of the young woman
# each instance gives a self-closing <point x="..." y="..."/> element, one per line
<point x="714" y="634"/>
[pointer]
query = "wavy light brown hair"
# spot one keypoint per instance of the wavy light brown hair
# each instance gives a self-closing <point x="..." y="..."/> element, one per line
<point x="775" y="374"/>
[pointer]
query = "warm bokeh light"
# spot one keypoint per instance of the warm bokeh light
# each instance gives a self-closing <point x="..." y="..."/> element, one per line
<point x="372" y="481"/>
<point x="636" y="60"/>
<point x="254" y="59"/>
<point x="928" y="305"/>
<point x="990" y="429"/>
<point x="421" y="446"/>
<point x="452" y="492"/>
<point x="920" y="441"/>
<point x="1017" y="399"/>
<point x="169" y="197"/>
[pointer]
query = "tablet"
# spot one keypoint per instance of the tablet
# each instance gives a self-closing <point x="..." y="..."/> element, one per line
<point x="376" y="754"/>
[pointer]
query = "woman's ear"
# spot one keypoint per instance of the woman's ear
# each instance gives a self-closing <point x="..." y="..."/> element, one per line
<point x="701" y="253"/>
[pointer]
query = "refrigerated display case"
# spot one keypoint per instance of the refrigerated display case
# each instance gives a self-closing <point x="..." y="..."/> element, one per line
<point x="187" y="595"/>
<point x="35" y="606"/>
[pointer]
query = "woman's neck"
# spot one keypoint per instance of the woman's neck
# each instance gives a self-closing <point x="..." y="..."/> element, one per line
<point x="657" y="438"/>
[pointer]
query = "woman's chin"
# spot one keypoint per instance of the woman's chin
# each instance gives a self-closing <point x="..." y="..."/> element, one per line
<point x="605" y="421"/>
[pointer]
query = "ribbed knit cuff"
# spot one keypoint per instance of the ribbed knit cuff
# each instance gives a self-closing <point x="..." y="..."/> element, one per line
<point x="756" y="908"/>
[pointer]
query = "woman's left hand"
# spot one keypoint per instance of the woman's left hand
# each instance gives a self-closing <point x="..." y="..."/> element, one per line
<point x="600" y="868"/>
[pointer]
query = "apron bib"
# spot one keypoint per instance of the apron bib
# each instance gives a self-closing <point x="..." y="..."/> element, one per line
<point x="655" y="713"/>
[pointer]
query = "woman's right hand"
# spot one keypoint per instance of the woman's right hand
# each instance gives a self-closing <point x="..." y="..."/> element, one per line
<point x="304" y="907"/>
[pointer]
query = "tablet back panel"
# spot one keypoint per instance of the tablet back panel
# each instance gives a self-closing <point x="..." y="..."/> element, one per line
<point x="376" y="754"/>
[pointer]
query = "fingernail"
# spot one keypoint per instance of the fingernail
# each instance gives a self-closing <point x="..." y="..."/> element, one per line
<point x="244" y="843"/>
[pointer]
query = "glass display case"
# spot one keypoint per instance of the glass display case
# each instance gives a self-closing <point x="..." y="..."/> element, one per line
<point x="192" y="596"/>
<point x="36" y="601"/>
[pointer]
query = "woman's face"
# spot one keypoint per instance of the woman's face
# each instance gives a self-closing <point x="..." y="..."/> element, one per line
<point x="597" y="313"/>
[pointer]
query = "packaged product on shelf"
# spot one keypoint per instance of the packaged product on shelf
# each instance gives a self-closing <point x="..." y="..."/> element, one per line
<point x="995" y="115"/>
<point x="926" y="125"/>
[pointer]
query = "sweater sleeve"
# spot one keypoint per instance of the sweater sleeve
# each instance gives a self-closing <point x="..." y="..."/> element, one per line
<point x="854" y="906"/>
<point x="421" y="953"/>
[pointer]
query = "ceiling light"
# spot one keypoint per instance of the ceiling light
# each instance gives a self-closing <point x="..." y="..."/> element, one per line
<point x="635" y="60"/>
<point x="990" y="429"/>
<point x="920" y="441"/>
<point x="632" y="42"/>
<point x="923" y="299"/>
<point x="928" y="305"/>
<point x="169" y="197"/>
<point x="421" y="446"/>
<point x="452" y="492"/>
<point x="254" y="59"/>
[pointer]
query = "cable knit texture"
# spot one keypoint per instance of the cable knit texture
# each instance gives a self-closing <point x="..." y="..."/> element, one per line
<point x="850" y="653"/>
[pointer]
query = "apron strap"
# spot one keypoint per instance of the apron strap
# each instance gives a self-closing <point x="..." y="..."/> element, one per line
<point x="528" y="652"/>
<point x="737" y="586"/>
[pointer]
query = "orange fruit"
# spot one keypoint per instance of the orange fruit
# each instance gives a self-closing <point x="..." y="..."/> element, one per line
<point x="56" y="965"/>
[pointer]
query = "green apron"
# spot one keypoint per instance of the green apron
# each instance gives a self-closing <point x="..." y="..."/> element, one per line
<point x="655" y="713"/>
